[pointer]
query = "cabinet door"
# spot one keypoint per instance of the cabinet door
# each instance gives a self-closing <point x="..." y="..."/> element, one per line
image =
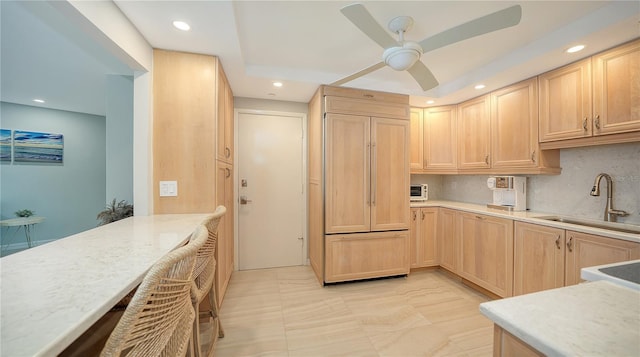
<point x="586" y="250"/>
<point x="439" y="125"/>
<point x="390" y="178"/>
<point x="224" y="119"/>
<point x="347" y="194"/>
<point x="414" y="237"/>
<point x="565" y="102"/>
<point x="447" y="240"/>
<point x="225" y="249"/>
<point x="474" y="133"/>
<point x="366" y="255"/>
<point x="427" y="247"/>
<point x="487" y="252"/>
<point x="538" y="258"/>
<point x="616" y="93"/>
<point x="514" y="126"/>
<point x="417" y="149"/>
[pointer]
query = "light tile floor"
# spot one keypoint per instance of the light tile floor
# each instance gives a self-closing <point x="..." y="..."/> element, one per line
<point x="285" y="312"/>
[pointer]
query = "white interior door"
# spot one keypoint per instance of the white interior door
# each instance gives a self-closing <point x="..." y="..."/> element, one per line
<point x="271" y="191"/>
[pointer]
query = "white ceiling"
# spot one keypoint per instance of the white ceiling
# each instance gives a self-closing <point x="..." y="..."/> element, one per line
<point x="308" y="43"/>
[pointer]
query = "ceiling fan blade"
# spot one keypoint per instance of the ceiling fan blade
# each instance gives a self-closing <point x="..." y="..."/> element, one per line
<point x="498" y="20"/>
<point x="359" y="74"/>
<point x="360" y="17"/>
<point x="423" y="76"/>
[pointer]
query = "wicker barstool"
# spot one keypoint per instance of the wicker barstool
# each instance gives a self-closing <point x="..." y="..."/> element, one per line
<point x="203" y="286"/>
<point x="159" y="319"/>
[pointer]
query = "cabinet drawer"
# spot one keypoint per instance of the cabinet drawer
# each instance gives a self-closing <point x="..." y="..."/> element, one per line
<point x="366" y="107"/>
<point x="366" y="255"/>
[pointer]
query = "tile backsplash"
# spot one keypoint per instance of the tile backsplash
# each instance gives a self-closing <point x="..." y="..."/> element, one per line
<point x="565" y="194"/>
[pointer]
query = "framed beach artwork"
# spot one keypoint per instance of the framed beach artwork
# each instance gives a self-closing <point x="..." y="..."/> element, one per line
<point x="30" y="146"/>
<point x="5" y="145"/>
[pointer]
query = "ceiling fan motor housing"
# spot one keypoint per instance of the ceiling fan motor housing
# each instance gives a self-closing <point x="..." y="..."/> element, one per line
<point x="402" y="57"/>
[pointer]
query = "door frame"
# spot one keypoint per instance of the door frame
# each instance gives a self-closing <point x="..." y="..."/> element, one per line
<point x="236" y="196"/>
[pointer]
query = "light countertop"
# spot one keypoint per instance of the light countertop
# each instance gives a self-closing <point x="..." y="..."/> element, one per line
<point x="594" y="274"/>
<point x="533" y="217"/>
<point x="51" y="294"/>
<point x="590" y="319"/>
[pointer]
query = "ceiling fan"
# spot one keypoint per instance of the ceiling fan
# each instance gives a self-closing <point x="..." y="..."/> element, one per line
<point x="404" y="55"/>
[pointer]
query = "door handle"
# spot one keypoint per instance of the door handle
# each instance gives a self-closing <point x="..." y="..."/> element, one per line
<point x="244" y="200"/>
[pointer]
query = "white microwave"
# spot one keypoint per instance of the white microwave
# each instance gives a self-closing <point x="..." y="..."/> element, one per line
<point x="419" y="192"/>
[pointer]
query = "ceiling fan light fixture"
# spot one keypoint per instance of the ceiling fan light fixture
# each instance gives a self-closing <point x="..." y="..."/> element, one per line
<point x="402" y="57"/>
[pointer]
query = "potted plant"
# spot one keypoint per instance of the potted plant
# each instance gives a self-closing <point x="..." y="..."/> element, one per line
<point x="24" y="213"/>
<point x="115" y="212"/>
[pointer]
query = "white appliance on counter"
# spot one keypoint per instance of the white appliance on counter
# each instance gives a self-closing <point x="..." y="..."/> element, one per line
<point x="509" y="192"/>
<point x="419" y="193"/>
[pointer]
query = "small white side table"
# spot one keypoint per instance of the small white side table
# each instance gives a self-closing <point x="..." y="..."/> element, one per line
<point x="26" y="222"/>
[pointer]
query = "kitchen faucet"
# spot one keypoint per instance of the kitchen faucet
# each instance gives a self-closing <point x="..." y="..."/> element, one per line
<point x="610" y="214"/>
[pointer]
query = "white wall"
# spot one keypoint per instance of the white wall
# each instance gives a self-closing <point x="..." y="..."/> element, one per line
<point x="270" y="105"/>
<point x="119" y="138"/>
<point x="568" y="193"/>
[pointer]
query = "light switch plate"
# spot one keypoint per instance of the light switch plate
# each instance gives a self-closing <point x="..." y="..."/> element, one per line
<point x="168" y="188"/>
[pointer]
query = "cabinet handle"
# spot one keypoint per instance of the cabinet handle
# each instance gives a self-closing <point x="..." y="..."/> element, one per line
<point x="414" y="215"/>
<point x="228" y="172"/>
<point x="422" y="215"/>
<point x="533" y="156"/>
<point x="596" y="122"/>
<point x="558" y="242"/>
<point x="584" y="124"/>
<point x="480" y="218"/>
<point x="227" y="152"/>
<point x="368" y="95"/>
<point x="486" y="159"/>
<point x="570" y="244"/>
<point x="374" y="172"/>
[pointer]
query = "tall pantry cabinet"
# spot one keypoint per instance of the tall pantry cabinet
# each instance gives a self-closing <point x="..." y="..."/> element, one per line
<point x="358" y="184"/>
<point x="192" y="143"/>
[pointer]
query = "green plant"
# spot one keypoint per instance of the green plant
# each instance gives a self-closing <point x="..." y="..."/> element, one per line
<point x="25" y="213"/>
<point x="115" y="212"/>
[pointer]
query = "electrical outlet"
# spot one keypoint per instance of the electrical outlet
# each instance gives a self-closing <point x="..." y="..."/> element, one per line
<point x="168" y="188"/>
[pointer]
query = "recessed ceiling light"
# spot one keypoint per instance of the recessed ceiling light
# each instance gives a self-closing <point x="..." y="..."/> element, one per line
<point x="277" y="84"/>
<point x="575" y="49"/>
<point x="479" y="86"/>
<point x="430" y="102"/>
<point x="38" y="100"/>
<point x="181" y="25"/>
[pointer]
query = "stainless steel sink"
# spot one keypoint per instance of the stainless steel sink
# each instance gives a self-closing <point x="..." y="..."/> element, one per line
<point x="618" y="227"/>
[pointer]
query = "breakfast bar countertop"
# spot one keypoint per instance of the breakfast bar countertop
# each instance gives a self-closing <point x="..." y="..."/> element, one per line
<point x="590" y="319"/>
<point x="51" y="294"/>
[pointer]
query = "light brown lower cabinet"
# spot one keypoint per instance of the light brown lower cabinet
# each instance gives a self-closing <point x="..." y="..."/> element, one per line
<point x="586" y="250"/>
<point x="486" y="251"/>
<point x="423" y="231"/>
<point x="538" y="262"/>
<point x="547" y="257"/>
<point x="366" y="255"/>
<point x="225" y="249"/>
<point x="447" y="240"/>
<point x="507" y="345"/>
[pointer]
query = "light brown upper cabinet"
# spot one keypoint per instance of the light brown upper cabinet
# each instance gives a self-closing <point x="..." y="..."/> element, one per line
<point x="616" y="90"/>
<point x="416" y="141"/>
<point x="366" y="167"/>
<point x="474" y="133"/>
<point x="224" y="149"/>
<point x="565" y="102"/>
<point x="592" y="101"/>
<point x="439" y="135"/>
<point x="514" y="125"/>
<point x="433" y="139"/>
